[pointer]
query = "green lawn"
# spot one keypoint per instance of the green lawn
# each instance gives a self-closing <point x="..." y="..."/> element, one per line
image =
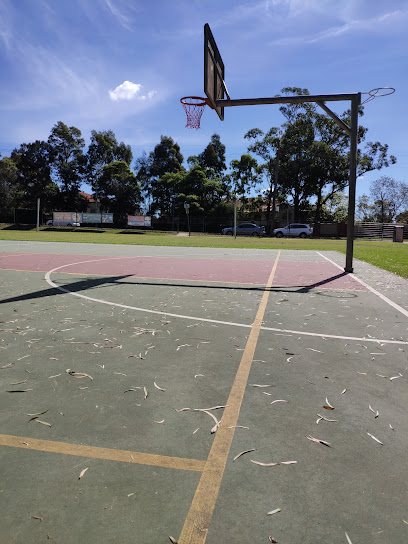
<point x="384" y="254"/>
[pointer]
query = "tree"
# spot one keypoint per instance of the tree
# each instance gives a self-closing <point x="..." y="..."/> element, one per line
<point x="364" y="210"/>
<point x="67" y="162"/>
<point x="104" y="149"/>
<point x="166" y="158"/>
<point x="212" y="159"/>
<point x="203" y="194"/>
<point x="244" y="175"/>
<point x="8" y="187"/>
<point x="320" y="171"/>
<point x="336" y="208"/>
<point x="34" y="175"/>
<point x="390" y="197"/>
<point x="267" y="146"/>
<point x="119" y="190"/>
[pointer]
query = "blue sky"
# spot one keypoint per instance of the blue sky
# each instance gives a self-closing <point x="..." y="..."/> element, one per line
<point x="124" y="64"/>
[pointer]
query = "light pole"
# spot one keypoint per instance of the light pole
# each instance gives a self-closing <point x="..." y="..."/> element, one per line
<point x="187" y="208"/>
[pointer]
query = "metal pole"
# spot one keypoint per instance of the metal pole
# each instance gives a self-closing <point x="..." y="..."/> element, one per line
<point x="355" y="102"/>
<point x="235" y="217"/>
<point x="38" y="214"/>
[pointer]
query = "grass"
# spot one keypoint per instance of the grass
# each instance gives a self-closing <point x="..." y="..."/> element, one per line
<point x="384" y="254"/>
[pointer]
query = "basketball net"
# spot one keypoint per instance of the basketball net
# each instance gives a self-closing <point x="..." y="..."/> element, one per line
<point x="194" y="107"/>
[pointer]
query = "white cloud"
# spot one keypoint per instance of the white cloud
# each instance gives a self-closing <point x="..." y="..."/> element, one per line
<point x="128" y="91"/>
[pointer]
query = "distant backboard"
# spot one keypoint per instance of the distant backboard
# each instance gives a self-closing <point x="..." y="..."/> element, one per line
<point x="214" y="72"/>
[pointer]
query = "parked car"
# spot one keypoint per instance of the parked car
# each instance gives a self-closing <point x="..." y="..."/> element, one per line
<point x="51" y="223"/>
<point x="295" y="229"/>
<point x="246" y="229"/>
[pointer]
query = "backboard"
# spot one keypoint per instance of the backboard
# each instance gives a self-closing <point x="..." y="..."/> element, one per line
<point x="214" y="72"/>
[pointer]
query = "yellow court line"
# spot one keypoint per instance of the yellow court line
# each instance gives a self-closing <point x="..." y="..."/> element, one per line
<point x="108" y="454"/>
<point x="201" y="510"/>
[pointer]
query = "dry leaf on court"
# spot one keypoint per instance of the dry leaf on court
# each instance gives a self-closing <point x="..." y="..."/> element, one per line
<point x="38" y="413"/>
<point x="157" y="387"/>
<point x="82" y="472"/>
<point x="318" y="441"/>
<point x="264" y="464"/>
<point x="278" y="400"/>
<point x="242" y="453"/>
<point x="273" y="512"/>
<point x="348" y="539"/>
<point x="18" y="390"/>
<point x="173" y="540"/>
<point x="376" y="439"/>
<point x="271" y="539"/>
<point x="41" y="421"/>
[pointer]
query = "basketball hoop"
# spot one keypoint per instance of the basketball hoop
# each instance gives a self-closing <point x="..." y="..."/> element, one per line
<point x="194" y="107"/>
<point x="379" y="91"/>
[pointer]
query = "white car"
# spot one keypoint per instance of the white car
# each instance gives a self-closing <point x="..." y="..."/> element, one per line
<point x="301" y="230"/>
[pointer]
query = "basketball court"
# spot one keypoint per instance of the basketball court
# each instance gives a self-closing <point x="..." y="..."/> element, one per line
<point x="111" y="354"/>
<point x="202" y="395"/>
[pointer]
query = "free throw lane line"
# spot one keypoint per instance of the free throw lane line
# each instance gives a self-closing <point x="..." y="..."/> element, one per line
<point x="107" y="454"/>
<point x="201" y="510"/>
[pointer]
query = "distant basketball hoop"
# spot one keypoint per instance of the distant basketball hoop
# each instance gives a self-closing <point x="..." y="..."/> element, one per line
<point x="194" y="107"/>
<point x="377" y="92"/>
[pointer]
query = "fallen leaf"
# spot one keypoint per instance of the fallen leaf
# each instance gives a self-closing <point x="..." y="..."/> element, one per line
<point x="264" y="464"/>
<point x="157" y="387"/>
<point x="161" y="421"/>
<point x="326" y="419"/>
<point x="318" y="441"/>
<point x="43" y="422"/>
<point x="173" y="540"/>
<point x="82" y="472"/>
<point x="36" y="517"/>
<point x="272" y="539"/>
<point x="348" y="539"/>
<point x="242" y="453"/>
<point x="258" y="385"/>
<point x="146" y="393"/>
<point x="38" y="413"/>
<point x="328" y="404"/>
<point x="278" y="400"/>
<point x="376" y="439"/>
<point x="344" y="390"/>
<point x="18" y="390"/>
<point x="273" y="512"/>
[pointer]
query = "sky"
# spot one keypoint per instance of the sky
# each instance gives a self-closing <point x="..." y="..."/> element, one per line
<point x="123" y="65"/>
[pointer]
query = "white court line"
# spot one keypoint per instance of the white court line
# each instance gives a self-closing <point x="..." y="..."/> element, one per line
<point x="380" y="295"/>
<point x="206" y="320"/>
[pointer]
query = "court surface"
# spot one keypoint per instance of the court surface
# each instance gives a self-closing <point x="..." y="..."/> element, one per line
<point x="133" y="377"/>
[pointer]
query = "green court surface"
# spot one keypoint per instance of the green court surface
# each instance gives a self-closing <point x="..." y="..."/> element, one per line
<point x="122" y="361"/>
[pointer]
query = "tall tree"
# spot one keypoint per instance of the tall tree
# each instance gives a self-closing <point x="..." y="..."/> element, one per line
<point x="8" y="187"/>
<point x="102" y="150"/>
<point x="119" y="190"/>
<point x="324" y="169"/>
<point x="34" y="175"/>
<point x="166" y="158"/>
<point x="389" y="196"/>
<point x="202" y="193"/>
<point x="212" y="159"/>
<point x="267" y="146"/>
<point x="67" y="162"/>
